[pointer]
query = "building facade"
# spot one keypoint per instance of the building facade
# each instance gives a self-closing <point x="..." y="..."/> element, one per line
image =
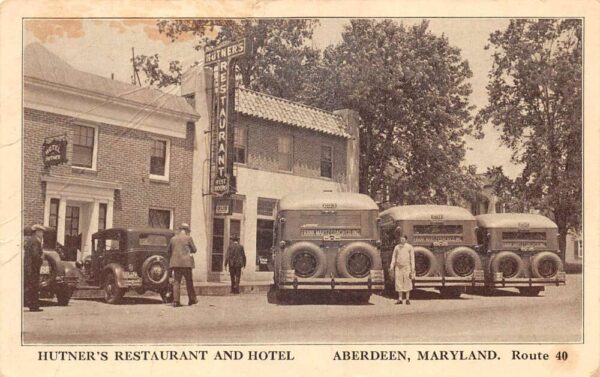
<point x="129" y="153"/>
<point x="280" y="147"/>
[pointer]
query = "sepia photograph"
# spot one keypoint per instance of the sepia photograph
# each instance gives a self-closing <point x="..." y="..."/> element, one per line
<point x="302" y="181"/>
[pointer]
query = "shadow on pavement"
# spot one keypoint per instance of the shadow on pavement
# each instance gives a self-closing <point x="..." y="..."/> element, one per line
<point x="127" y="300"/>
<point x="420" y="294"/>
<point x="316" y="298"/>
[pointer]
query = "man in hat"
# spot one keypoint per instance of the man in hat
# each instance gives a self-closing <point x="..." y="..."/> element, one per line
<point x="32" y="263"/>
<point x="181" y="261"/>
<point x="236" y="260"/>
<point x="402" y="267"/>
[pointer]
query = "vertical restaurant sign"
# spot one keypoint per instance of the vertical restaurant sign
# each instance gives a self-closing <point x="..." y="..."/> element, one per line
<point x="223" y="93"/>
<point x="54" y="150"/>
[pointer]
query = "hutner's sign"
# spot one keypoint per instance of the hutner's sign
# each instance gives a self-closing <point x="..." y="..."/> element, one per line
<point x="220" y="58"/>
<point x="54" y="151"/>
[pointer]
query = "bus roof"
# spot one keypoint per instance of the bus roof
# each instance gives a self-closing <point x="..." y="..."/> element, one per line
<point x="514" y="220"/>
<point x="426" y="211"/>
<point x="318" y="200"/>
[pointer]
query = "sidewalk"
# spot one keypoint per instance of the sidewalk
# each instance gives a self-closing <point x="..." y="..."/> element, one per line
<point x="201" y="288"/>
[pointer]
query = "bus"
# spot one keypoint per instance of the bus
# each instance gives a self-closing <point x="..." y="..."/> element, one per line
<point x="327" y="241"/>
<point x="520" y="250"/>
<point x="444" y="242"/>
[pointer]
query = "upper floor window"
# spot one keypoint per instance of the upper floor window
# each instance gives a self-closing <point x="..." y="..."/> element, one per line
<point x="159" y="159"/>
<point x="240" y="144"/>
<point x="160" y="218"/>
<point x="327" y="161"/>
<point x="84" y="142"/>
<point x="284" y="151"/>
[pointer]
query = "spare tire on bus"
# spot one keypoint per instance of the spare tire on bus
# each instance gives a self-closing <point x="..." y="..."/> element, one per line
<point x="546" y="265"/>
<point x="508" y="263"/>
<point x="357" y="259"/>
<point x="425" y="262"/>
<point x="462" y="262"/>
<point x="306" y="259"/>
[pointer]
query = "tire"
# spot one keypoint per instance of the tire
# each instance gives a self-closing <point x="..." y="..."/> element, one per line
<point x="462" y="262"/>
<point x="530" y="291"/>
<point x="451" y="292"/>
<point x="357" y="259"/>
<point x="155" y="272"/>
<point x="306" y="258"/>
<point x="63" y="295"/>
<point x="425" y="262"/>
<point x="507" y="262"/>
<point x="546" y="265"/>
<point x="112" y="293"/>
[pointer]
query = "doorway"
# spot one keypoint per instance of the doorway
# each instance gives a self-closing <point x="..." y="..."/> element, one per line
<point x="72" y="235"/>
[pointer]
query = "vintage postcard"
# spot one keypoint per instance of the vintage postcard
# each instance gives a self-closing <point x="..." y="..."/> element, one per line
<point x="343" y="188"/>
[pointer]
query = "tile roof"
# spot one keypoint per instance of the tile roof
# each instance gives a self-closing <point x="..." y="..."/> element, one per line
<point x="40" y="63"/>
<point x="280" y="110"/>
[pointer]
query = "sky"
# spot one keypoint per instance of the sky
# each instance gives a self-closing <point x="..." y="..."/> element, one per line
<point x="103" y="47"/>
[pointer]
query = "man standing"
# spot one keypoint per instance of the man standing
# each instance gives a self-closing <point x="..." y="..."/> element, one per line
<point x="236" y="259"/>
<point x="181" y="261"/>
<point x="32" y="263"/>
<point x="402" y="267"/>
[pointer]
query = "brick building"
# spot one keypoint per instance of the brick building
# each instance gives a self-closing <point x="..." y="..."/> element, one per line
<point x="280" y="147"/>
<point x="129" y="152"/>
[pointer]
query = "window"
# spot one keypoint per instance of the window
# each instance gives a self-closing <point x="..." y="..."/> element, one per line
<point x="159" y="218"/>
<point x="159" y="159"/>
<point x="437" y="229"/>
<point x="264" y="242"/>
<point x="152" y="240"/>
<point x="237" y="205"/>
<point x="525" y="236"/>
<point x="579" y="249"/>
<point x="284" y="152"/>
<point x="326" y="161"/>
<point x="218" y="238"/>
<point x="83" y="147"/>
<point x="266" y="207"/>
<point x="53" y="219"/>
<point x="102" y="209"/>
<point x="240" y="144"/>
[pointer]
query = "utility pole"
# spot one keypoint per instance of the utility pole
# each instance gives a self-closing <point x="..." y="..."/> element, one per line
<point x="136" y="77"/>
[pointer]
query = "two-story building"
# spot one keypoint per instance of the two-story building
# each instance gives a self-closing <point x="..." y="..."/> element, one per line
<point x="128" y="153"/>
<point x="280" y="147"/>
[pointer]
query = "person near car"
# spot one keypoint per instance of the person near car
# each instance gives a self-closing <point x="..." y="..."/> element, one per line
<point x="181" y="262"/>
<point x="235" y="259"/>
<point x="32" y="263"/>
<point x="402" y="267"/>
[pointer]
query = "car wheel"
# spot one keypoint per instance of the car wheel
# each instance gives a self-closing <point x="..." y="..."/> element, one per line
<point x="112" y="292"/>
<point x="530" y="291"/>
<point x="63" y="295"/>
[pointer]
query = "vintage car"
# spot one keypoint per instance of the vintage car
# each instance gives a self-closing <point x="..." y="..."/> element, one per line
<point x="444" y="242"/>
<point x="520" y="250"/>
<point x="57" y="277"/>
<point x="124" y="259"/>
<point x="327" y="241"/>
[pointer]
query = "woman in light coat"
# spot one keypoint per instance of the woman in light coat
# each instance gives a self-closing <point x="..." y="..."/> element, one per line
<point x="402" y="268"/>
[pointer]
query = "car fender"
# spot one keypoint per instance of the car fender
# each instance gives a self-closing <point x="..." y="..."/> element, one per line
<point x="117" y="270"/>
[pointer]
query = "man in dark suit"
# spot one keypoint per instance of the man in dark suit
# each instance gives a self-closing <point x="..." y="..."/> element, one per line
<point x="181" y="261"/>
<point x="32" y="263"/>
<point x="236" y="260"/>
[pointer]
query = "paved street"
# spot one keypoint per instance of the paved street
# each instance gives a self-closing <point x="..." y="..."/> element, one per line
<point x="554" y="316"/>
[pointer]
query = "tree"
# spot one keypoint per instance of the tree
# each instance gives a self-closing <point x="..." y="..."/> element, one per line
<point x="535" y="99"/>
<point x="410" y="89"/>
<point x="278" y="51"/>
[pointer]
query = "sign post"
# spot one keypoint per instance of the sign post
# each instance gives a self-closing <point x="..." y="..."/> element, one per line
<point x="220" y="59"/>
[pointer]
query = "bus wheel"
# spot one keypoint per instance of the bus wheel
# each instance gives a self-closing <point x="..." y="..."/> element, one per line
<point x="462" y="262"/>
<point x="508" y="263"/>
<point x="425" y="262"/>
<point x="546" y="265"/>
